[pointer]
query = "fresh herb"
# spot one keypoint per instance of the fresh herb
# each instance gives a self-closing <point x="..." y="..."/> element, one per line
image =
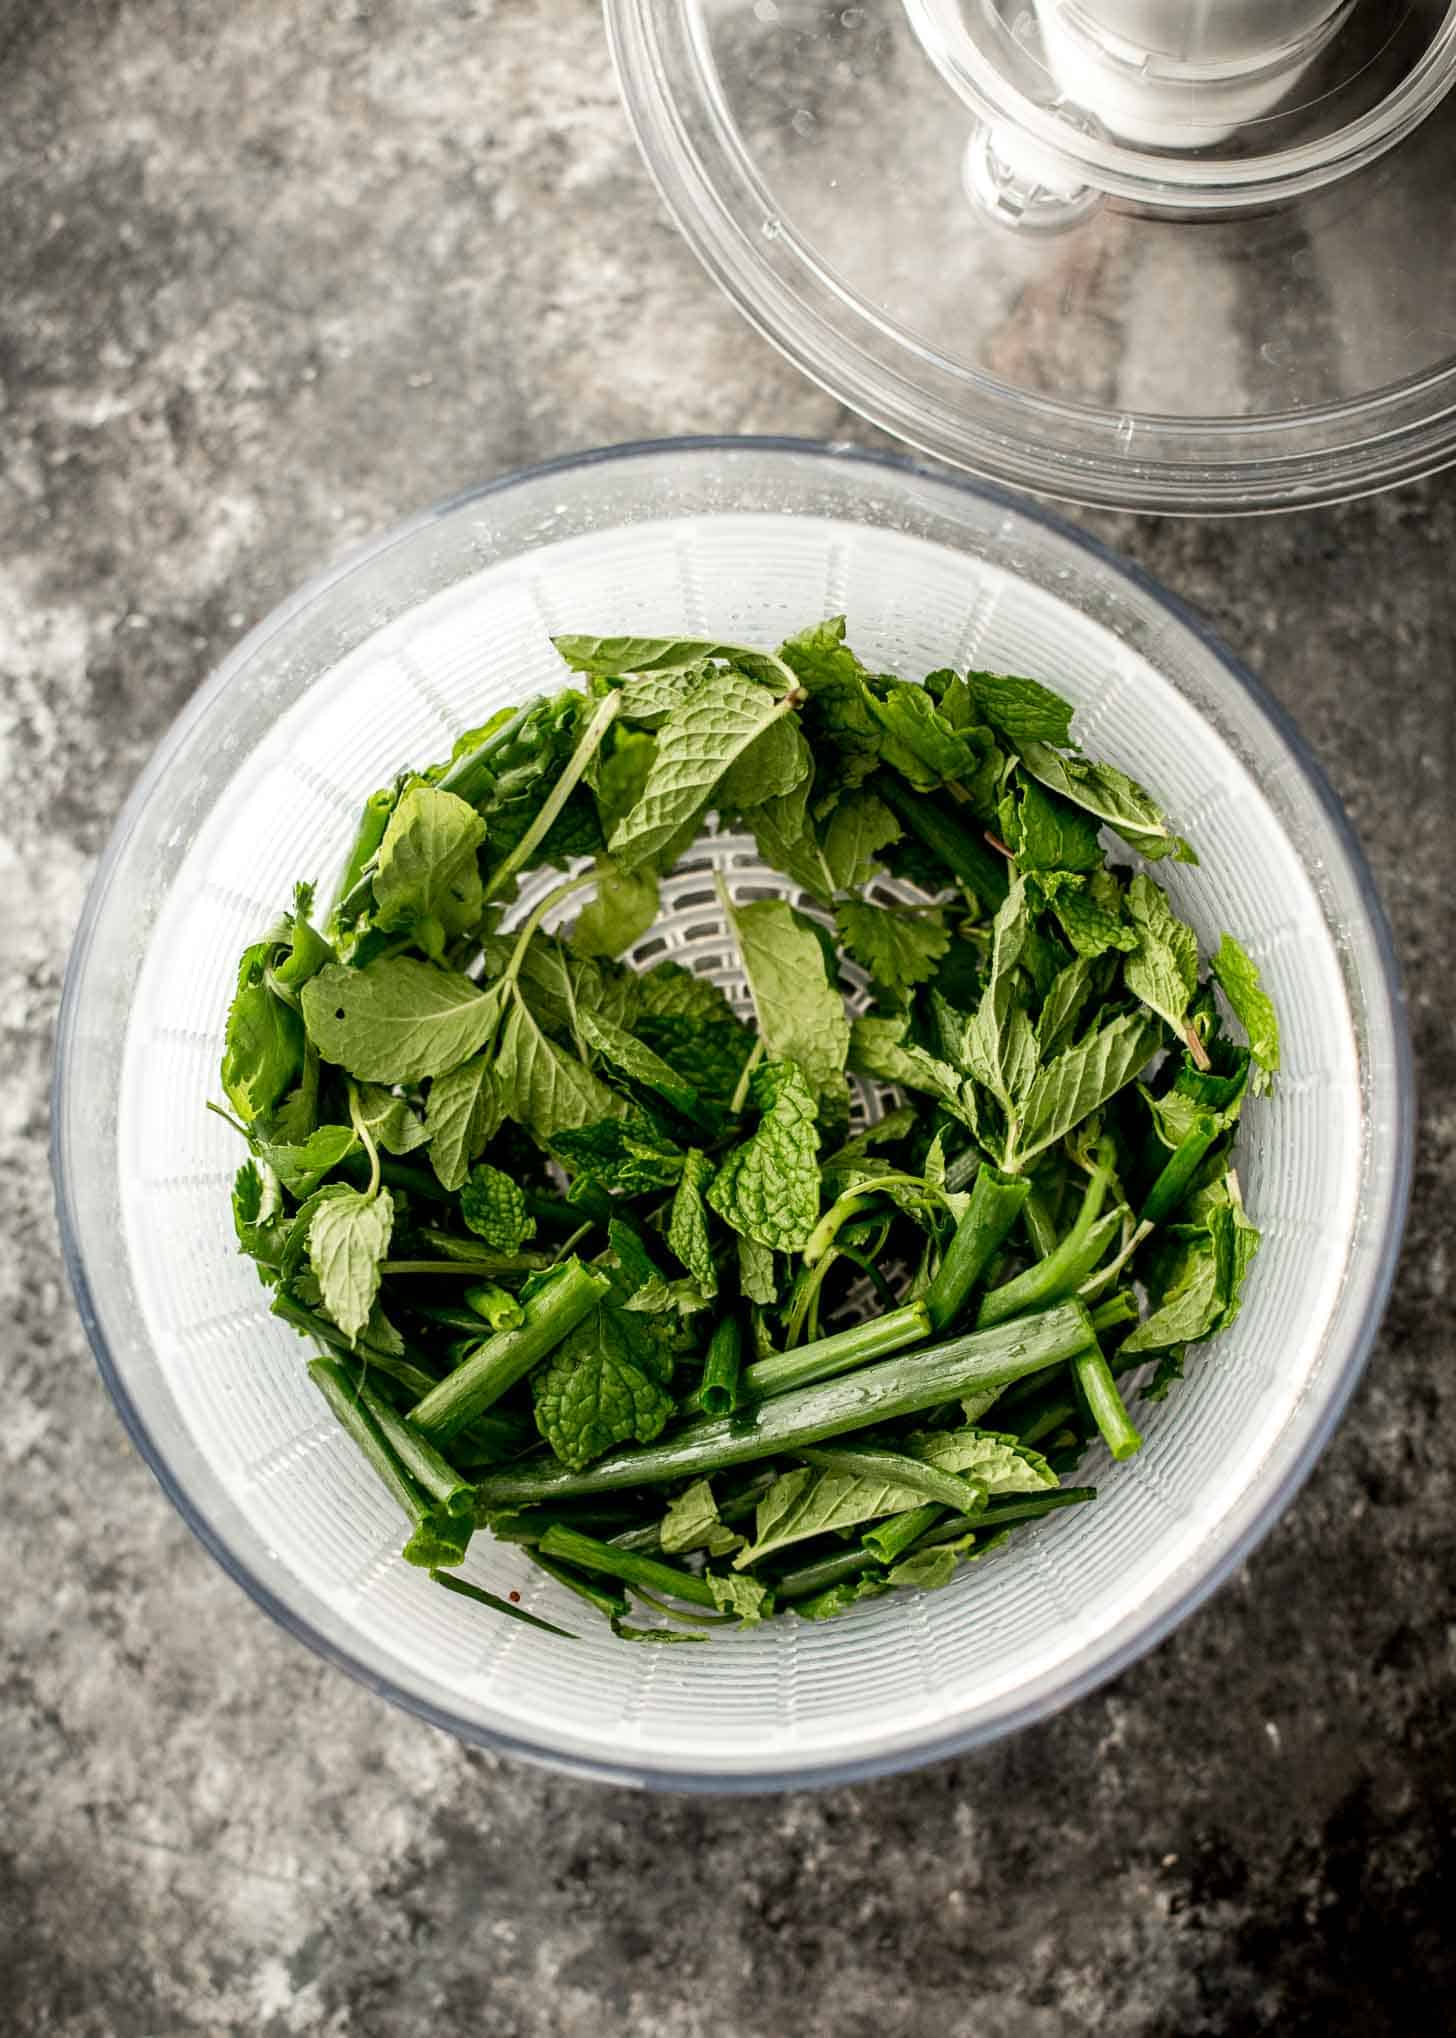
<point x="597" y="1258"/>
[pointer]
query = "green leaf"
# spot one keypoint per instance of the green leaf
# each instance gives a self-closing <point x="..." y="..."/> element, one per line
<point x="1162" y="970"/>
<point x="600" y="1388"/>
<point x="301" y="1168"/>
<point x="462" y="1112"/>
<point x="1088" y="925"/>
<point x="918" y="740"/>
<point x="650" y="697"/>
<point x="836" y="1599"/>
<point x="877" y="1047"/>
<point x="743" y="1596"/>
<point x="687" y="1231"/>
<point x="800" y="1012"/>
<point x="931" y="1569"/>
<point x="263" y="1051"/>
<point x="1081" y="1079"/>
<point x="636" y="1061"/>
<point x="618" y="771"/>
<point x="767" y="1188"/>
<point x="612" y="657"/>
<point x="1063" y="1006"/>
<point x="668" y="991"/>
<point x="494" y="1207"/>
<point x="899" y="950"/>
<point x="859" y="828"/>
<point x="998" y="1045"/>
<point x="901" y="1468"/>
<point x="756" y="1275"/>
<point x="1238" y="979"/>
<point x="808" y="1503"/>
<point x="348" y="1236"/>
<point x="1191" y="1301"/>
<point x="620" y="912"/>
<point x="692" y="1523"/>
<point x="1044" y="832"/>
<point x="1023" y="710"/>
<point x="624" y="1155"/>
<point x="787" y="841"/>
<point x="774" y="765"/>
<point x="427" y="879"/>
<point x="258" y="1217"/>
<point x="1002" y="1464"/>
<point x="697" y="744"/>
<point x="397" y="1020"/>
<point x="388" y="1119"/>
<point x="1110" y="796"/>
<point x="545" y="1089"/>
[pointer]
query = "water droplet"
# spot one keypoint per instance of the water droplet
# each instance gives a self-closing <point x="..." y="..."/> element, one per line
<point x="772" y="228"/>
<point x="853" y="17"/>
<point x="765" y="10"/>
<point x="803" y="121"/>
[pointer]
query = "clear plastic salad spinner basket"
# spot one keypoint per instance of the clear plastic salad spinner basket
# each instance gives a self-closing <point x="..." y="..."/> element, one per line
<point x="1171" y="255"/>
<point x="428" y="631"/>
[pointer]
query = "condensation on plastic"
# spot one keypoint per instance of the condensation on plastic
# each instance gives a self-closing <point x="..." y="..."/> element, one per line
<point x="385" y="661"/>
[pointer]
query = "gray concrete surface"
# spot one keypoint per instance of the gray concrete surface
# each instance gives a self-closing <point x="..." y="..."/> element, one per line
<point x="273" y="275"/>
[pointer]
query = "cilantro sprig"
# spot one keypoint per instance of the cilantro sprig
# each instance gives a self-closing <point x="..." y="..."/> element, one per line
<point x="736" y="1308"/>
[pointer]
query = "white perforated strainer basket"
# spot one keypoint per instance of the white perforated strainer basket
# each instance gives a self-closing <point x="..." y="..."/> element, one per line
<point x="428" y="631"/>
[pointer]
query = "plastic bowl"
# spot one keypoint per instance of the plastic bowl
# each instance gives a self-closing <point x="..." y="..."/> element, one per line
<point x="382" y="660"/>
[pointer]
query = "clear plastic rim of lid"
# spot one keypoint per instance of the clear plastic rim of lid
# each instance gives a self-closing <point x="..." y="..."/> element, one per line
<point x="1318" y="1417"/>
<point x="1069" y="451"/>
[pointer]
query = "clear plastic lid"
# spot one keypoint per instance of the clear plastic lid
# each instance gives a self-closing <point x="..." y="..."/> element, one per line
<point x="1157" y="254"/>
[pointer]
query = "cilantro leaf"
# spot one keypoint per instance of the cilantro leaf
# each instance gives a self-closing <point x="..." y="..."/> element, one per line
<point x="1238" y="979"/>
<point x="397" y="1020"/>
<point x="801" y="1014"/>
<point x="697" y="744"/>
<point x="687" y="1230"/>
<point x="494" y="1207"/>
<point x="301" y="1168"/>
<point x="767" y="1188"/>
<point x="899" y="950"/>
<point x="348" y="1236"/>
<point x="427" y="879"/>
<point x="601" y="1387"/>
<point x="462" y="1112"/>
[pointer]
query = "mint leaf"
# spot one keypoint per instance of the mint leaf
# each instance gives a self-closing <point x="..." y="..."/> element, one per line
<point x="636" y="1061"/>
<point x="767" y="1188"/>
<point x="1088" y="925"/>
<point x="1191" y="1301"/>
<point x="612" y="657"/>
<point x="697" y="744"/>
<point x="388" y="1119"/>
<point x="1081" y="1079"/>
<point x="1044" y="832"/>
<point x="756" y="1275"/>
<point x="800" y="1012"/>
<point x="542" y="1087"/>
<point x="687" y="1230"/>
<point x="301" y="1168"/>
<point x="600" y="1388"/>
<point x="899" y="950"/>
<point x="1162" y="970"/>
<point x="494" y="1207"/>
<point x="263" y="1050"/>
<point x="842" y="728"/>
<point x="348" y="1236"/>
<point x="998" y="1046"/>
<point x="933" y="1568"/>
<point x="397" y="1020"/>
<point x="463" y="1111"/>
<point x="743" y="1596"/>
<point x="668" y="991"/>
<point x="1023" y="710"/>
<point x="837" y="1599"/>
<point x="858" y="829"/>
<point x="774" y="765"/>
<point x="1111" y="796"/>
<point x="427" y="879"/>
<point x="807" y="1503"/>
<point x="1002" y="1464"/>
<point x="1062" y="1007"/>
<point x="692" y="1523"/>
<point x="918" y="740"/>
<point x="1238" y="979"/>
<point x="621" y="912"/>
<point x="878" y="1047"/>
<point x="623" y="1155"/>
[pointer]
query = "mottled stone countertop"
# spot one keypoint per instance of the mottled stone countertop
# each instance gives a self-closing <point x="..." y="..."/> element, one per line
<point x="274" y="275"/>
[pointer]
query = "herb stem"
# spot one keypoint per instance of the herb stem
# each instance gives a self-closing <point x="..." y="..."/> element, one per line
<point x="479" y="1264"/>
<point x="903" y="1385"/>
<point x="354" y="1417"/>
<point x="366" y="1140"/>
<point x="570" y="1546"/>
<point x="745" y="1075"/>
<point x="995" y="1205"/>
<point x="1063" y="1270"/>
<point x="1104" y="1404"/>
<point x="587" y="746"/>
<point x="498" y="1605"/>
<point x="550" y="1315"/>
<point x="1179" y="1169"/>
<point x="360" y="860"/>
